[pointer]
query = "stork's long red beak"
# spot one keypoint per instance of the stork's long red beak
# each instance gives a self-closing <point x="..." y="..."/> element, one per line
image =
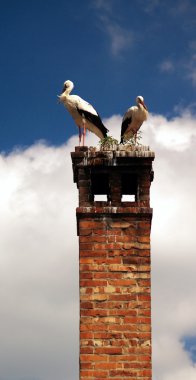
<point x="59" y="99"/>
<point x="144" y="105"/>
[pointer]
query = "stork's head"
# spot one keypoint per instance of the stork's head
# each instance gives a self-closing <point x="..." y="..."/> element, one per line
<point x="140" y="100"/>
<point x="68" y="86"/>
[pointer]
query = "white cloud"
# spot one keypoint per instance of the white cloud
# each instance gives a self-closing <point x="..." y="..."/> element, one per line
<point x="104" y="5"/>
<point x="167" y="66"/>
<point x="188" y="64"/>
<point x="184" y="7"/>
<point x="191" y="69"/>
<point x="119" y="37"/>
<point x="175" y="135"/>
<point x="38" y="233"/>
<point x="39" y="255"/>
<point x="173" y="249"/>
<point x="185" y="66"/>
<point x="150" y="6"/>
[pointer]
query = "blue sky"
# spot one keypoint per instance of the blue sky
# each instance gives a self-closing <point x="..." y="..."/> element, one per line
<point x="190" y="346"/>
<point x="112" y="50"/>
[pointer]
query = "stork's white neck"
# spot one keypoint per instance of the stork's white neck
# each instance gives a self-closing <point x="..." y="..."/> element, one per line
<point x="69" y="88"/>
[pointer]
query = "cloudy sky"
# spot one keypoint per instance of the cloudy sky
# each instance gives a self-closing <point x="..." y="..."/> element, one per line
<point x="112" y="50"/>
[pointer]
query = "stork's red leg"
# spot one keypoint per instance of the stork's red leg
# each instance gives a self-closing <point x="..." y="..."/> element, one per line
<point x="80" y="135"/>
<point x="84" y="129"/>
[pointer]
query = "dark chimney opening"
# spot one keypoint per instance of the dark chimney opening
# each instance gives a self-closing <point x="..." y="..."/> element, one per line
<point x="100" y="186"/>
<point x="129" y="187"/>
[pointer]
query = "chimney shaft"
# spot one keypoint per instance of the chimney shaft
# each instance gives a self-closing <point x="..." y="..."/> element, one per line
<point x="114" y="254"/>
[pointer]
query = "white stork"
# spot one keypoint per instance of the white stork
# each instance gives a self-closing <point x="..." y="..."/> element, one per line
<point x="82" y="112"/>
<point x="133" y="119"/>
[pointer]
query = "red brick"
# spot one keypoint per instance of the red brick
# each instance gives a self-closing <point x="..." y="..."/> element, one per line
<point x="122" y="282"/>
<point x="144" y="297"/>
<point x="86" y="350"/>
<point x="93" y="253"/>
<point x="86" y="365"/>
<point x="122" y="297"/>
<point x="137" y="365"/>
<point x="86" y="335"/>
<point x="107" y="335"/>
<point x="89" y="312"/>
<point x="121" y="268"/>
<point x="84" y="275"/>
<point x="86" y="343"/>
<point x="93" y="283"/>
<point x="144" y="312"/>
<point x="107" y="275"/>
<point x="145" y="282"/>
<point x="91" y="224"/>
<point x="86" y="246"/>
<point x="129" y="260"/>
<point x="108" y="350"/>
<point x="120" y="224"/>
<point x="123" y="358"/>
<point x="143" y="239"/>
<point x="93" y="374"/>
<point x="86" y="305"/>
<point x="125" y="238"/>
<point x="124" y="373"/>
<point x="93" y="327"/>
<point x="136" y="245"/>
<point x="85" y="232"/>
<point x="105" y="232"/>
<point x="122" y="328"/>
<point x="92" y="239"/>
<point x="92" y="358"/>
<point x="103" y="365"/>
<point x="115" y="252"/>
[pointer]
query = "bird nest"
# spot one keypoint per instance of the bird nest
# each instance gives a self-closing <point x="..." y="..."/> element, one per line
<point x="109" y="143"/>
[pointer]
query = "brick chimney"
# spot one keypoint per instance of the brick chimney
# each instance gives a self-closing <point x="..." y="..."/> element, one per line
<point x="114" y="254"/>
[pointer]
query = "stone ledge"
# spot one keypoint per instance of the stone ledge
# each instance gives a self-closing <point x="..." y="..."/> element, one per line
<point x="92" y="210"/>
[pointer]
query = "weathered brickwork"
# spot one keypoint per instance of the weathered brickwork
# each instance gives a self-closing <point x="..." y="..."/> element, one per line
<point x="115" y="288"/>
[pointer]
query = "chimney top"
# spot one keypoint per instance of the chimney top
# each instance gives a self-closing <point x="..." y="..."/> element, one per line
<point x="114" y="177"/>
<point x="117" y="151"/>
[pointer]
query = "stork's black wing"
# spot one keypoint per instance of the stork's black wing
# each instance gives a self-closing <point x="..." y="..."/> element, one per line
<point x="94" y="119"/>
<point x="124" y="127"/>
